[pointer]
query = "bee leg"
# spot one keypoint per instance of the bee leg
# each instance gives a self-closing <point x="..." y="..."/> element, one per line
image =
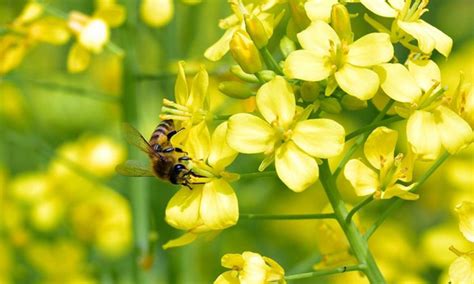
<point x="168" y="150"/>
<point x="179" y="150"/>
<point x="171" y="134"/>
<point x="184" y="158"/>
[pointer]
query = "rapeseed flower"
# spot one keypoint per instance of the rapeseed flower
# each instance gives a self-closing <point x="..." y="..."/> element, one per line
<point x="250" y="267"/>
<point x="289" y="139"/>
<point x="211" y="206"/>
<point x="408" y="25"/>
<point x="156" y="13"/>
<point x="326" y="56"/>
<point x="431" y="123"/>
<point x="379" y="150"/>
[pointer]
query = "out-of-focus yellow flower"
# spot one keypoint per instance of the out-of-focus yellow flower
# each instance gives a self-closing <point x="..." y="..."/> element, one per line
<point x="192" y="104"/>
<point x="250" y="267"/>
<point x="156" y="13"/>
<point x="463" y="101"/>
<point x="47" y="214"/>
<point x="290" y="139"/>
<point x="379" y="150"/>
<point x="92" y="33"/>
<point x="325" y="56"/>
<point x="235" y="22"/>
<point x="210" y="207"/>
<point x="12" y="50"/>
<point x="408" y="25"/>
<point x="31" y="188"/>
<point x="12" y="104"/>
<point x="431" y="124"/>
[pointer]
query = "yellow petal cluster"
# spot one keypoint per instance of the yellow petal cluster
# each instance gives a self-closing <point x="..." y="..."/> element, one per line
<point x="292" y="141"/>
<point x="156" y="13"/>
<point x="250" y="267"/>
<point x="382" y="183"/>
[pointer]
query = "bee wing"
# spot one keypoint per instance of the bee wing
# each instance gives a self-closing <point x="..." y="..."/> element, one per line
<point x="133" y="169"/>
<point x="134" y="137"/>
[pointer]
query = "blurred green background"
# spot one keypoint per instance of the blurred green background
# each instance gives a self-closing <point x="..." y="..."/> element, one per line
<point x="66" y="217"/>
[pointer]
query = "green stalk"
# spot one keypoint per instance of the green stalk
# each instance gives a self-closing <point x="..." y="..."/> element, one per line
<point x="325" y="272"/>
<point x="372" y="126"/>
<point x="270" y="61"/>
<point x="287" y="216"/>
<point x="358" y="207"/>
<point x="394" y="204"/>
<point x="357" y="242"/>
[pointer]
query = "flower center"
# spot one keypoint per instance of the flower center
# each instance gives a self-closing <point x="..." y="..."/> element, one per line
<point x="338" y="54"/>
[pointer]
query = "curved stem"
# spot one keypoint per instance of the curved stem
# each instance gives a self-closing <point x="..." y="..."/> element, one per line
<point x="358" y="207"/>
<point x="270" y="61"/>
<point x="258" y="174"/>
<point x="358" y="244"/>
<point x="324" y="272"/>
<point x="287" y="216"/>
<point x="396" y="203"/>
<point x="372" y="126"/>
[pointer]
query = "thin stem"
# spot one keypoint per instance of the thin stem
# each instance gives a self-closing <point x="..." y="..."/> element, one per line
<point x="270" y="61"/>
<point x="358" y="244"/>
<point x="222" y="116"/>
<point x="258" y="174"/>
<point x="361" y="140"/>
<point x="324" y="272"/>
<point x="358" y="207"/>
<point x="287" y="216"/>
<point x="372" y="126"/>
<point x="397" y="203"/>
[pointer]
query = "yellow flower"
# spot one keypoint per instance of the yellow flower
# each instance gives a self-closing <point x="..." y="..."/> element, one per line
<point x="463" y="101"/>
<point x="156" y="13"/>
<point x="291" y="140"/>
<point x="93" y="33"/>
<point x="208" y="207"/>
<point x="465" y="212"/>
<point x="319" y="9"/>
<point x="236" y="22"/>
<point x="408" y="25"/>
<point x="379" y="150"/>
<point x="431" y="124"/>
<point x="325" y="56"/>
<point x="251" y="268"/>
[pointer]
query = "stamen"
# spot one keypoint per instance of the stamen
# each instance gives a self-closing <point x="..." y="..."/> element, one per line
<point x="169" y="103"/>
<point x="175" y="111"/>
<point x="173" y="117"/>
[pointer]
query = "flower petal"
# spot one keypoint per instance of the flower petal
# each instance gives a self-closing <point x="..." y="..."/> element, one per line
<point x="295" y="168"/>
<point x="198" y="142"/>
<point x="219" y="206"/>
<point x="249" y="134"/>
<point x="181" y="241"/>
<point x="254" y="270"/>
<point x="221" y="154"/>
<point x="182" y="211"/>
<point x="321" y="138"/>
<point x="349" y="78"/>
<point x="423" y="136"/>
<point x="318" y="37"/>
<point x="364" y="180"/>
<point x="462" y="270"/>
<point x="465" y="212"/>
<point x="425" y="72"/>
<point x="380" y="7"/>
<point x="380" y="147"/>
<point x="398" y="83"/>
<point x="231" y="260"/>
<point x="400" y="191"/>
<point x="181" y="86"/>
<point x="319" y="9"/>
<point x="371" y="49"/>
<point x="428" y="36"/>
<point x="228" y="277"/>
<point x="276" y="102"/>
<point x="455" y="133"/>
<point x="306" y="65"/>
<point x="221" y="47"/>
<point x="198" y="90"/>
<point x="78" y="58"/>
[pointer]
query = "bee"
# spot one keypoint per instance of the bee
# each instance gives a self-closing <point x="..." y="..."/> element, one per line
<point x="167" y="162"/>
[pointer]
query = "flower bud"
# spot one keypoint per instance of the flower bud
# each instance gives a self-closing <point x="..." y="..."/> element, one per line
<point x="256" y="30"/>
<point x="341" y="22"/>
<point x="237" y="71"/>
<point x="287" y="46"/>
<point x="245" y="52"/>
<point x="353" y="103"/>
<point x="236" y="90"/>
<point x="156" y="13"/>
<point x="309" y="91"/>
<point x="266" y="75"/>
<point x="330" y="105"/>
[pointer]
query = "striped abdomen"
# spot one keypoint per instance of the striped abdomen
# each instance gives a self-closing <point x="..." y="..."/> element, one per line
<point x="160" y="139"/>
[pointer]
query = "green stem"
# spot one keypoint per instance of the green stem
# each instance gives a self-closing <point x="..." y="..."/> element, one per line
<point x="394" y="204"/>
<point x="325" y="272"/>
<point x="358" y="207"/>
<point x="372" y="126"/>
<point x="361" y="139"/>
<point x="222" y="116"/>
<point x="358" y="244"/>
<point x="287" y="216"/>
<point x="270" y="61"/>
<point x="258" y="174"/>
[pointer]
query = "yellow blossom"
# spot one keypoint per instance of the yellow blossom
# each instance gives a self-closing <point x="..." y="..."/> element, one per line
<point x="431" y="123"/>
<point x="291" y="140"/>
<point x="325" y="56"/>
<point x="212" y="206"/>
<point x="465" y="212"/>
<point x="156" y="13"/>
<point x="463" y="101"/>
<point x="408" y="25"/>
<point x="379" y="150"/>
<point x="250" y="267"/>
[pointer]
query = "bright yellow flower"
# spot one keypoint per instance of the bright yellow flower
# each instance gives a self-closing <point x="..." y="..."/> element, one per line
<point x="250" y="268"/>
<point x="408" y="25"/>
<point x="235" y="22"/>
<point x="463" y="101"/>
<point x="325" y="56"/>
<point x="431" y="124"/>
<point x="465" y="212"/>
<point x="291" y="140"/>
<point x="379" y="150"/>
<point x="157" y="13"/>
<point x="212" y="206"/>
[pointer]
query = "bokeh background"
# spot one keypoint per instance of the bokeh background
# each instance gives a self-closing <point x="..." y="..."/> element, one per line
<point x="66" y="217"/>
